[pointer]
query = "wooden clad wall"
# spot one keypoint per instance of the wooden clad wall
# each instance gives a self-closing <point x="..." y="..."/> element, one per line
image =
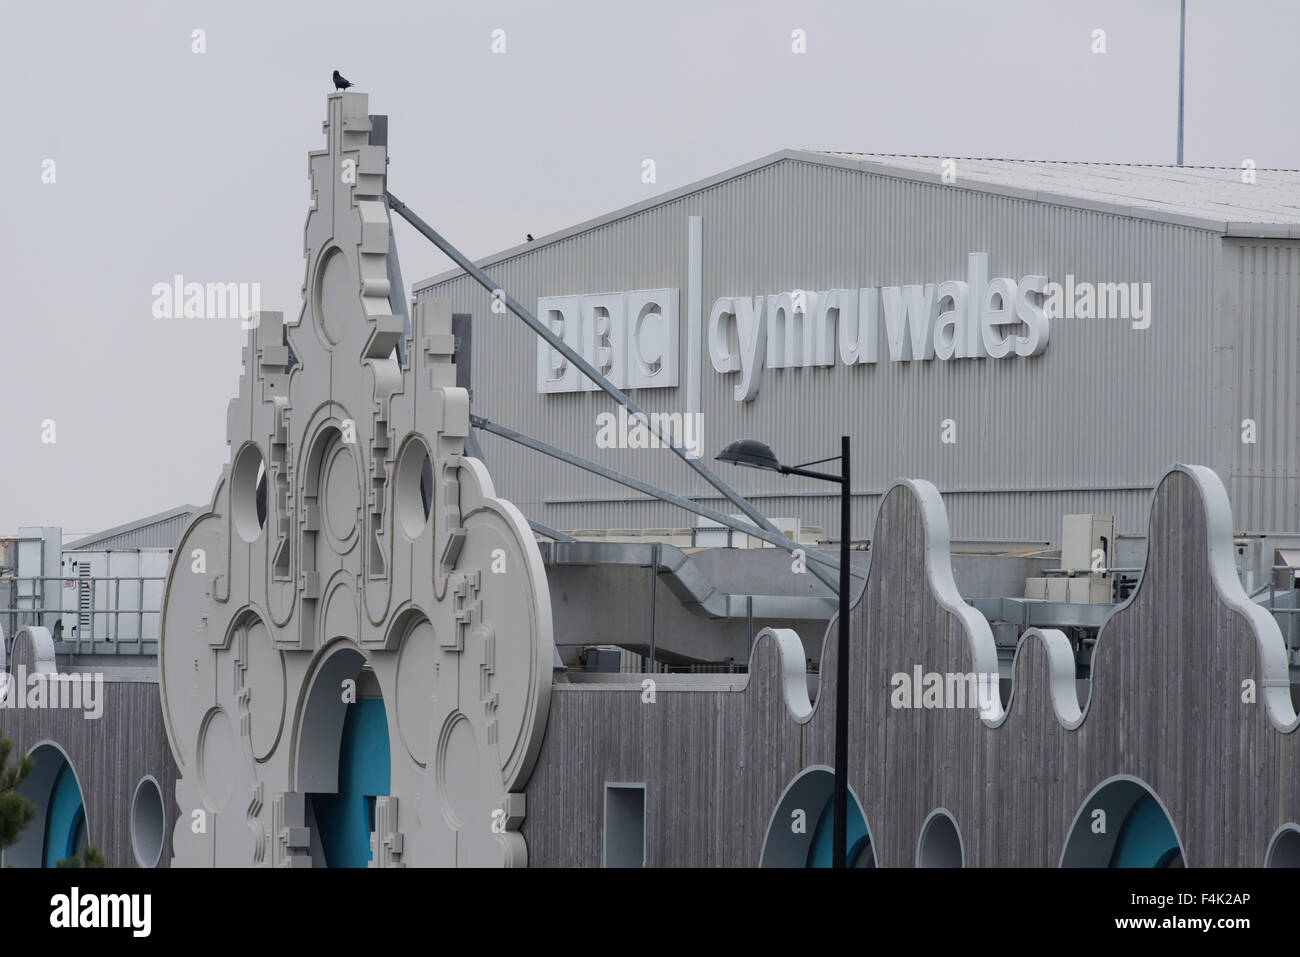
<point x="1167" y="709"/>
<point x="110" y="755"/>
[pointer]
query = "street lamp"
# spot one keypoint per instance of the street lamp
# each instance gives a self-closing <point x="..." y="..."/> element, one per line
<point x="753" y="454"/>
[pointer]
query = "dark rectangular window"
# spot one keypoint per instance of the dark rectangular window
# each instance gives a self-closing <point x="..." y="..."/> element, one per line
<point x="625" y="825"/>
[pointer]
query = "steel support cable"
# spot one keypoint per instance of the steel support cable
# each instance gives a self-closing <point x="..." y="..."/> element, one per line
<point x="537" y="445"/>
<point x="560" y="346"/>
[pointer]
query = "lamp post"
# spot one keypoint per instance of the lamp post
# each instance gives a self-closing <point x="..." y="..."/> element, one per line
<point x="754" y="454"/>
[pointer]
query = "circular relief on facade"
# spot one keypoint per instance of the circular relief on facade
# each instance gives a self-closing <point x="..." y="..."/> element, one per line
<point x="457" y="769"/>
<point x="265" y="680"/>
<point x="339" y="617"/>
<point x="415" y="670"/>
<point x="519" y="679"/>
<point x="335" y="294"/>
<point x="340" y="496"/>
<point x="216" y="759"/>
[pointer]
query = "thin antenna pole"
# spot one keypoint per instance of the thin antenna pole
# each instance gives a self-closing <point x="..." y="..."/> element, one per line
<point x="1182" y="64"/>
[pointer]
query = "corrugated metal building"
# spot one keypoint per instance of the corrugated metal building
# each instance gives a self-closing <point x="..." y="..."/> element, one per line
<point x="163" y="530"/>
<point x="1202" y="365"/>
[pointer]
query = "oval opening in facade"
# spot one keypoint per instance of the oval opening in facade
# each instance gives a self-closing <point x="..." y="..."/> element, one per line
<point x="1122" y="824"/>
<point x="148" y="823"/>
<point x="801" y="832"/>
<point x="1284" y="849"/>
<point x="940" y="843"/>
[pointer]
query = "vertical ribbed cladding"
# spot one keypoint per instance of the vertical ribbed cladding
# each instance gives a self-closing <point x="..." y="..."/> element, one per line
<point x="1090" y="425"/>
<point x="1263" y="294"/>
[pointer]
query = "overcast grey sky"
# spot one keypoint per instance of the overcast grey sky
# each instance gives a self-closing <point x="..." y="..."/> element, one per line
<point x="169" y="161"/>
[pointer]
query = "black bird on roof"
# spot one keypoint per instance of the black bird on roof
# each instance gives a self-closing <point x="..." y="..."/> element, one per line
<point x="339" y="82"/>
<point x="530" y="237"/>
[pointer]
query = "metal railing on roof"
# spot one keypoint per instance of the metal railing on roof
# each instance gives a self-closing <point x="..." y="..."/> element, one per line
<point x="97" y="597"/>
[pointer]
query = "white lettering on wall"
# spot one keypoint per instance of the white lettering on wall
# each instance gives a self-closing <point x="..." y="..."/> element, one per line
<point x="630" y="337"/>
<point x="972" y="318"/>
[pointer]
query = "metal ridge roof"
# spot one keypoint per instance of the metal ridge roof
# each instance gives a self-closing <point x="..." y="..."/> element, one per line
<point x="1201" y="192"/>
<point x="1202" y="197"/>
<point x="88" y="541"/>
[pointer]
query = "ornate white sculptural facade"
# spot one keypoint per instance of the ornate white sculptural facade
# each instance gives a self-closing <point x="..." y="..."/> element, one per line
<point x="376" y="560"/>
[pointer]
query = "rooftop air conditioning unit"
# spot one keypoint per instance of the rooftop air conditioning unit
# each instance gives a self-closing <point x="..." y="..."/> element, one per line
<point x="710" y="534"/>
<point x="605" y="659"/>
<point x="1087" y="542"/>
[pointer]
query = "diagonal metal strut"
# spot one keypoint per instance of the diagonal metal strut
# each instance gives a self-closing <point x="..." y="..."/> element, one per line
<point x="775" y="538"/>
<point x="590" y="372"/>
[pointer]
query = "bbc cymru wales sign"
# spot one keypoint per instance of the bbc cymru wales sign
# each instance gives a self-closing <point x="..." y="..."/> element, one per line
<point x="972" y="318"/>
<point x="632" y="337"/>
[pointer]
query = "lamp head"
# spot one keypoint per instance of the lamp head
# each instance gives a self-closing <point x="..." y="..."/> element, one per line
<point x="750" y="453"/>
